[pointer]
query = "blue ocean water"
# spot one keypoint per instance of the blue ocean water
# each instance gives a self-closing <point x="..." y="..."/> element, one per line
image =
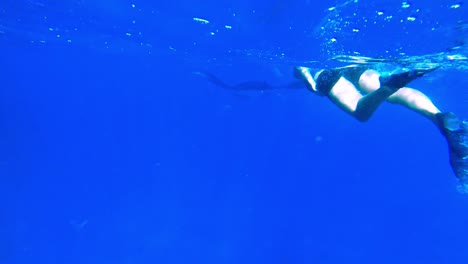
<point x="113" y="149"/>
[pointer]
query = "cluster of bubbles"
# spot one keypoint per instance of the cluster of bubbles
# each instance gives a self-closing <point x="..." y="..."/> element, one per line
<point x="347" y="31"/>
<point x="92" y="24"/>
<point x="363" y="22"/>
<point x="415" y="33"/>
<point x="405" y="33"/>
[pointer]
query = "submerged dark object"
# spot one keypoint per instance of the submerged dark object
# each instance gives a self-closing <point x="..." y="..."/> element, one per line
<point x="250" y="85"/>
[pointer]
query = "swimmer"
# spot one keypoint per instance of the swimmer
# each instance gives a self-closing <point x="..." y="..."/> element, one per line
<point x="359" y="91"/>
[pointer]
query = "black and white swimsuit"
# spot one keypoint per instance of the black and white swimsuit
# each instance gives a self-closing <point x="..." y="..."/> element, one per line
<point x="328" y="78"/>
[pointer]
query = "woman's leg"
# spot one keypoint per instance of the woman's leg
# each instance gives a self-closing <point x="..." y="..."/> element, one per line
<point x="411" y="98"/>
<point x="343" y="92"/>
<point x="370" y="102"/>
<point x="452" y="128"/>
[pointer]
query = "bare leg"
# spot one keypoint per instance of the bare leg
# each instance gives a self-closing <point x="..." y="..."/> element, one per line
<point x="367" y="105"/>
<point x="411" y="98"/>
<point x="415" y="100"/>
<point x="345" y="95"/>
<point x="453" y="129"/>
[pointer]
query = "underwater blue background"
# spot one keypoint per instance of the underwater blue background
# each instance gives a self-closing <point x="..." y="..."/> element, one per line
<point x="113" y="149"/>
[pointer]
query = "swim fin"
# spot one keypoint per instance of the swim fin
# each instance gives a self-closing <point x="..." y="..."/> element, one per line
<point x="456" y="133"/>
<point x="398" y="80"/>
